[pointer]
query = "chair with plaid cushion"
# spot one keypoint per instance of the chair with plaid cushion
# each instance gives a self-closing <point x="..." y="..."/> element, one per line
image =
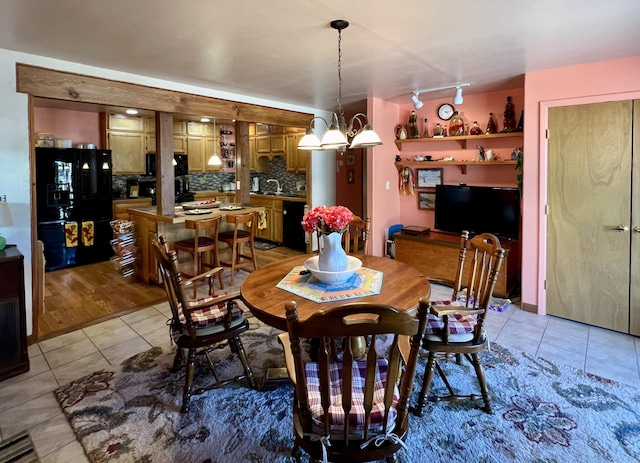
<point x="455" y="328"/>
<point x="349" y="409"/>
<point x="200" y="325"/>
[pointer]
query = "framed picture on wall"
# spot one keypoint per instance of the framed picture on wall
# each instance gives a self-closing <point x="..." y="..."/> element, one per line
<point x="427" y="199"/>
<point x="351" y="176"/>
<point x="351" y="159"/>
<point x="428" y="178"/>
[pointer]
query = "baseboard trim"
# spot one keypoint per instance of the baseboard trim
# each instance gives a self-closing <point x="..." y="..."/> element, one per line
<point x="529" y="307"/>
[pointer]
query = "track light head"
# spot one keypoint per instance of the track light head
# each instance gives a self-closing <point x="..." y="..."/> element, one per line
<point x="416" y="102"/>
<point x="458" y="98"/>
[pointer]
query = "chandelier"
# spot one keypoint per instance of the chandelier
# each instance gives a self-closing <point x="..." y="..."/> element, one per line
<point x="338" y="134"/>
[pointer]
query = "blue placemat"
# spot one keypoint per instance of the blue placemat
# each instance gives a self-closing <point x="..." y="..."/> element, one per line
<point x="364" y="282"/>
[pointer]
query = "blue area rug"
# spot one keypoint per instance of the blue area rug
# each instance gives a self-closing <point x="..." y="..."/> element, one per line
<point x="544" y="412"/>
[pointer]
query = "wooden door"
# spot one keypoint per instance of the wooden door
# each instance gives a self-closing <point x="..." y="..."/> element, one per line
<point x="589" y="195"/>
<point x="634" y="312"/>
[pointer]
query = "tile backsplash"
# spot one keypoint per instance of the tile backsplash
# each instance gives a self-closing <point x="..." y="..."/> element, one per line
<point x="277" y="169"/>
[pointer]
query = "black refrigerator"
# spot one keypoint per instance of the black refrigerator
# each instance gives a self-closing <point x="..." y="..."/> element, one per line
<point x="74" y="205"/>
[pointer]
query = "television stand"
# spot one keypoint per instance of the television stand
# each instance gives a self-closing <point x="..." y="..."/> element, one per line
<point x="436" y="256"/>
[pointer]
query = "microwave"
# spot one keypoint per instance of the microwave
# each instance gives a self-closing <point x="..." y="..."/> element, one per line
<point x="181" y="166"/>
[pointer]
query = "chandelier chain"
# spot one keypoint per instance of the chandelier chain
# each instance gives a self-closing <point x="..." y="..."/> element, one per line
<point x="340" y="72"/>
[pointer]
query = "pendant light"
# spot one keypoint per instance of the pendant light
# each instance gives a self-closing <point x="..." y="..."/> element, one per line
<point x="338" y="134"/>
<point x="214" y="160"/>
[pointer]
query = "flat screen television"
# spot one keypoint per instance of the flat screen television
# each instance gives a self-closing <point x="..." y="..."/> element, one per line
<point x="478" y="209"/>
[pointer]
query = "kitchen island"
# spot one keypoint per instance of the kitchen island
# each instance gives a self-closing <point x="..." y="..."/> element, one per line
<point x="149" y="224"/>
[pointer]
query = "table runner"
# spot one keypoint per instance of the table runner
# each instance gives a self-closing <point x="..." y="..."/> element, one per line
<point x="364" y="282"/>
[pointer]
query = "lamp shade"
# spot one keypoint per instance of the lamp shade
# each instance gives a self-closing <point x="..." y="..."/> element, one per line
<point x="309" y="141"/>
<point x="333" y="138"/>
<point x="366" y="138"/>
<point x="215" y="160"/>
<point x="5" y="215"/>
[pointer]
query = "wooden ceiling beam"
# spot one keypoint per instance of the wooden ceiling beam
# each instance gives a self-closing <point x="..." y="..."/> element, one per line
<point x="66" y="86"/>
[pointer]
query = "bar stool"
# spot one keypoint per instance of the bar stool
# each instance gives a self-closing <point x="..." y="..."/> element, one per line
<point x="200" y="244"/>
<point x="244" y="229"/>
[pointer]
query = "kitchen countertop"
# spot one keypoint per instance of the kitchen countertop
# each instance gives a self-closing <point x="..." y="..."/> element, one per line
<point x="283" y="197"/>
<point x="151" y="212"/>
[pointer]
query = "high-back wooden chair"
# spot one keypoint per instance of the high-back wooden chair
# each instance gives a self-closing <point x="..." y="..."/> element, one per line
<point x="356" y="238"/>
<point x="456" y="328"/>
<point x="349" y="409"/>
<point x="205" y="240"/>
<point x="242" y="235"/>
<point x="199" y="324"/>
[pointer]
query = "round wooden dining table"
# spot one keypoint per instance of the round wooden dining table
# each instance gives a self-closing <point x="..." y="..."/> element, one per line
<point x="402" y="288"/>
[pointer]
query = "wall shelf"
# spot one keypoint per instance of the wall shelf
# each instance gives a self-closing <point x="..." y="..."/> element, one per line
<point x="462" y="164"/>
<point x="462" y="139"/>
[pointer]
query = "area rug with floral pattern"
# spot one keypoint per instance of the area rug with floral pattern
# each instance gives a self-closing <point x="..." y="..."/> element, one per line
<point x="543" y="412"/>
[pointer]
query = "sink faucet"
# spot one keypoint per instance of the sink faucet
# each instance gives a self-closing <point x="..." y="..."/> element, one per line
<point x="279" y="188"/>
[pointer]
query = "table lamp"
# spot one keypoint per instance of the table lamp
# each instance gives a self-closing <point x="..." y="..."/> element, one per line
<point x="5" y="221"/>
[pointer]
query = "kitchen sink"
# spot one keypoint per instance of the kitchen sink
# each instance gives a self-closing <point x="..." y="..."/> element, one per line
<point x="287" y="195"/>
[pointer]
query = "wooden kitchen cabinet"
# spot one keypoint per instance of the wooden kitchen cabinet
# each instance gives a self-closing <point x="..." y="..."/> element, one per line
<point x="296" y="159"/>
<point x="195" y="151"/>
<point x="127" y="151"/>
<point x="125" y="123"/>
<point x="121" y="206"/>
<point x="273" y="210"/>
<point x="267" y="203"/>
<point x="195" y="128"/>
<point x="263" y="145"/>
<point x="276" y="221"/>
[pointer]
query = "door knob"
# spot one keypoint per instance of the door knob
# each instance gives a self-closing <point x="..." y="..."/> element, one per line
<point x="621" y="228"/>
<point x="636" y="229"/>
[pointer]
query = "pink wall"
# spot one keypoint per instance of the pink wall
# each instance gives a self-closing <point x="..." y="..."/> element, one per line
<point x="588" y="83"/>
<point x="382" y="205"/>
<point x="78" y="126"/>
<point x="388" y="207"/>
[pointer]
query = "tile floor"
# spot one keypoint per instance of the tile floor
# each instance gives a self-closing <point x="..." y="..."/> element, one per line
<point x="27" y="401"/>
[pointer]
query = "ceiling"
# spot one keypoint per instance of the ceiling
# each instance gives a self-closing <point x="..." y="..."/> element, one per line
<point x="285" y="50"/>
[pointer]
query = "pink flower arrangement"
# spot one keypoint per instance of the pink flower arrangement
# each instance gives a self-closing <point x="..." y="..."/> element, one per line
<point x="323" y="219"/>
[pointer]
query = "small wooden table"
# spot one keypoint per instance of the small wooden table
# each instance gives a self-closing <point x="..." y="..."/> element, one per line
<point x="402" y="287"/>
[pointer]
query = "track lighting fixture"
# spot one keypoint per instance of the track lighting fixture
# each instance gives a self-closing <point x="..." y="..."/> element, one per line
<point x="457" y="99"/>
<point x="338" y="134"/>
<point x="416" y="102"/>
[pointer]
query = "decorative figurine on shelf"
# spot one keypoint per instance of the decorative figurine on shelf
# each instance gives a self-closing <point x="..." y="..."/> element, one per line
<point x="425" y="129"/>
<point x="438" y="131"/>
<point x="481" y="153"/>
<point x="456" y="125"/>
<point x="491" y="125"/>
<point x="475" y="129"/>
<point x="509" y="123"/>
<point x="401" y="132"/>
<point x="413" y="125"/>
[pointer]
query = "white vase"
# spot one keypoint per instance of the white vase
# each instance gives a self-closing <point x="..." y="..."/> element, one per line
<point x="332" y="258"/>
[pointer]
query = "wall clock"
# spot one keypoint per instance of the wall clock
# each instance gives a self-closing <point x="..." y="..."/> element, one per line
<point x="445" y="111"/>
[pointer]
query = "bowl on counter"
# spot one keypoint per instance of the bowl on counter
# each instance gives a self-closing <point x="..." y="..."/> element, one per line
<point x="333" y="278"/>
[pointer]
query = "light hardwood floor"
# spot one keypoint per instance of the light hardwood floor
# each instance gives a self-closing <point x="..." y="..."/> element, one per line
<point x="78" y="297"/>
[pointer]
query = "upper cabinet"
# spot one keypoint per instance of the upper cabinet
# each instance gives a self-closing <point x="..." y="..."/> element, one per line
<point x="267" y="141"/>
<point x="296" y="159"/>
<point x="130" y="137"/>
<point x="125" y="136"/>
